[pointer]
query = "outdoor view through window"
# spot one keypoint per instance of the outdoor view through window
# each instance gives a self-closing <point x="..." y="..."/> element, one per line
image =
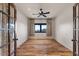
<point x="40" y="28"/>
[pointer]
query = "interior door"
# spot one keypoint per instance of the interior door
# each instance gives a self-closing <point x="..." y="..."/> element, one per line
<point x="76" y="30"/>
<point x="3" y="29"/>
<point x="12" y="34"/>
<point x="7" y="29"/>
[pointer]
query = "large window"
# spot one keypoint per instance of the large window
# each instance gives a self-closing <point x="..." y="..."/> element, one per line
<point x="40" y="27"/>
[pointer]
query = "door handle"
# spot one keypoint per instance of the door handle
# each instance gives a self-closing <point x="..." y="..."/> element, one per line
<point x="74" y="40"/>
<point x="15" y="39"/>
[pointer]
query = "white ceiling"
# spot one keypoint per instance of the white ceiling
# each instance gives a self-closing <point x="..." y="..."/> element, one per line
<point x="33" y="8"/>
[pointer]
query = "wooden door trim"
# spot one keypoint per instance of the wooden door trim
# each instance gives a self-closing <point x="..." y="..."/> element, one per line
<point x="74" y="31"/>
<point x="8" y="30"/>
<point x="78" y="30"/>
<point x="12" y="5"/>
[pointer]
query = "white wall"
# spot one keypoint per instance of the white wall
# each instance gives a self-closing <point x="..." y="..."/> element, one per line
<point x="21" y="28"/>
<point x="40" y="35"/>
<point x="64" y="27"/>
<point x="53" y="28"/>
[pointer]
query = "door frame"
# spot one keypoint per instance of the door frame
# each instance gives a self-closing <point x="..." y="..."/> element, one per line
<point x="9" y="43"/>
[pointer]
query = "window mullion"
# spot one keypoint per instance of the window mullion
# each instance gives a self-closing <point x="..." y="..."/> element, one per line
<point x="40" y="27"/>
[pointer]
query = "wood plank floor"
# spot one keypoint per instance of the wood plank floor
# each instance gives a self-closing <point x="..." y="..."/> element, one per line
<point x="42" y="47"/>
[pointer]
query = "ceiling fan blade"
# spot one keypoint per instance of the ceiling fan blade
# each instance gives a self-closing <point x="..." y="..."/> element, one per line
<point x="38" y="15"/>
<point x="47" y="13"/>
<point x="35" y="14"/>
<point x="44" y="15"/>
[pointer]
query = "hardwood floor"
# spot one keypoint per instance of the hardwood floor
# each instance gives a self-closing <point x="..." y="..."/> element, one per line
<point x="42" y="47"/>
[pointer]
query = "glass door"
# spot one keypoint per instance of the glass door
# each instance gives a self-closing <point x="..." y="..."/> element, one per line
<point x="12" y="35"/>
<point x="3" y="30"/>
<point x="7" y="29"/>
<point x="76" y="30"/>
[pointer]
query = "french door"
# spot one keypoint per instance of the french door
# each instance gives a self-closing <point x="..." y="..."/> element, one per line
<point x="76" y="30"/>
<point x="7" y="29"/>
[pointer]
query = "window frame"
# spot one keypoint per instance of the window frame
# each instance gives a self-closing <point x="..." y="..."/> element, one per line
<point x="40" y="27"/>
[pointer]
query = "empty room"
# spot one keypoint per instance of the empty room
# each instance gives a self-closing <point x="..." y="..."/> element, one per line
<point x="39" y="29"/>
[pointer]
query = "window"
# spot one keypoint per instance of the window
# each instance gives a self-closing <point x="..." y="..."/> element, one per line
<point x="40" y="27"/>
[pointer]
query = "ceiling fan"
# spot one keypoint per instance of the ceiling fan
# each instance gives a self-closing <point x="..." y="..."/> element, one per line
<point x="41" y="13"/>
